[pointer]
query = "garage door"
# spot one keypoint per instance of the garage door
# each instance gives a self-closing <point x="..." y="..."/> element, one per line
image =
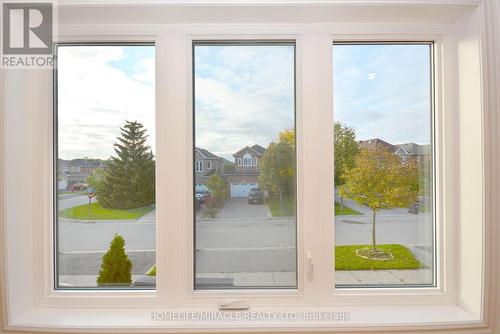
<point x="242" y="189"/>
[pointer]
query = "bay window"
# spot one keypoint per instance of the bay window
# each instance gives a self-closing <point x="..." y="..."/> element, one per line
<point x="394" y="227"/>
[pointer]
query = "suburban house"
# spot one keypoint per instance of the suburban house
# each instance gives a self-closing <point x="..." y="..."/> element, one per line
<point x="241" y="176"/>
<point x="207" y="164"/>
<point x="76" y="171"/>
<point x="421" y="153"/>
<point x="376" y="143"/>
<point x="245" y="173"/>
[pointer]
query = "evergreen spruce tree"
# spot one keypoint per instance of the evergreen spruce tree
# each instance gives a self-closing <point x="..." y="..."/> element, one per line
<point x="129" y="180"/>
<point x="116" y="268"/>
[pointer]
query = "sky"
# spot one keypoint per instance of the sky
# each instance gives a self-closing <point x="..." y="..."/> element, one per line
<point x="99" y="87"/>
<point x="244" y="95"/>
<point x="383" y="91"/>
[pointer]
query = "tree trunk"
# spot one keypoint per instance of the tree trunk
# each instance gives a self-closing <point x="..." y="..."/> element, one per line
<point x="374" y="242"/>
<point x="341" y="203"/>
<point x="282" y="204"/>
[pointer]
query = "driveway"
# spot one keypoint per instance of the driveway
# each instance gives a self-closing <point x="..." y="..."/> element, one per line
<point x="238" y="208"/>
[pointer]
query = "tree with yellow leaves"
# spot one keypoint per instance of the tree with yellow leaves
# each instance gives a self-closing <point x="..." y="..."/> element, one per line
<point x="380" y="180"/>
<point x="277" y="166"/>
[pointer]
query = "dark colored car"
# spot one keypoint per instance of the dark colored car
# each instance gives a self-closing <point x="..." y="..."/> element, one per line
<point x="255" y="196"/>
<point x="78" y="187"/>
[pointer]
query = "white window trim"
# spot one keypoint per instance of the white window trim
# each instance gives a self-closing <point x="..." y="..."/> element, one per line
<point x="464" y="298"/>
<point x="209" y="164"/>
<point x="240" y="161"/>
<point x="246" y="159"/>
<point x="254" y="160"/>
<point x="199" y="166"/>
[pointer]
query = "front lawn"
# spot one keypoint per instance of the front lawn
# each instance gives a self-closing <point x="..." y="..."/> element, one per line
<point x="99" y="213"/>
<point x="346" y="258"/>
<point x="273" y="202"/>
<point x="345" y="211"/>
<point x="152" y="271"/>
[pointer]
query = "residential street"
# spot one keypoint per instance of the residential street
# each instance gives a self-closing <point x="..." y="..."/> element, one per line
<point x="243" y="238"/>
<point x="232" y="245"/>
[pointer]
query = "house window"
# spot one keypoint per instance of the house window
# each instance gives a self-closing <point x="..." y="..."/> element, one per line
<point x="199" y="166"/>
<point x="209" y="164"/>
<point x="384" y="193"/>
<point x="253" y="226"/>
<point x="255" y="161"/>
<point x="247" y="160"/>
<point x="99" y="87"/>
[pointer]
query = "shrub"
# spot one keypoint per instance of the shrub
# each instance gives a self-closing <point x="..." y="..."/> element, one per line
<point x="219" y="189"/>
<point x="212" y="212"/>
<point x="116" y="267"/>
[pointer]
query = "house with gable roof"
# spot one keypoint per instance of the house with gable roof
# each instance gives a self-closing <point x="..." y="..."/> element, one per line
<point x="241" y="175"/>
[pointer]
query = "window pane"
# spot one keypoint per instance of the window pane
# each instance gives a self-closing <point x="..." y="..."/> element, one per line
<point x="383" y="164"/>
<point x="245" y="221"/>
<point x="105" y="232"/>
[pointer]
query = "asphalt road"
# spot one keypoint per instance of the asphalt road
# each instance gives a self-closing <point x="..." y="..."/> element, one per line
<point x="228" y="244"/>
<point x="264" y="245"/>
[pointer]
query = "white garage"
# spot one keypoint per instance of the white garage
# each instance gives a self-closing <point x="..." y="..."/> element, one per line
<point x="242" y="189"/>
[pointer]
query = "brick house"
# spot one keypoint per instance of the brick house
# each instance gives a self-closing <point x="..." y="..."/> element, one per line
<point x="207" y="164"/>
<point x="245" y="173"/>
<point x="241" y="176"/>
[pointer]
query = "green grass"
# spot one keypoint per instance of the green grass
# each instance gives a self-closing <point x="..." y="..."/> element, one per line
<point x="152" y="271"/>
<point x="346" y="258"/>
<point x="100" y="213"/>
<point x="274" y="206"/>
<point x="345" y="211"/>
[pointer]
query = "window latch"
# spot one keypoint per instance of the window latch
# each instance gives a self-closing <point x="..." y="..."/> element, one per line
<point x="234" y="305"/>
<point x="309" y="265"/>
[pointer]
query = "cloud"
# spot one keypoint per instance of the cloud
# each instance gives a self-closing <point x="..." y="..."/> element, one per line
<point x="244" y="96"/>
<point x="95" y="98"/>
<point x="394" y="107"/>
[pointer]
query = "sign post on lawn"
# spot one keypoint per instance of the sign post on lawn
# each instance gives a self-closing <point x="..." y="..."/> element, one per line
<point x="90" y="194"/>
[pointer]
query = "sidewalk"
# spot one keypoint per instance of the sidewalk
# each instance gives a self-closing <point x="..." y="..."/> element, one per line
<point x="286" y="279"/>
<point x="149" y="217"/>
<point x="363" y="209"/>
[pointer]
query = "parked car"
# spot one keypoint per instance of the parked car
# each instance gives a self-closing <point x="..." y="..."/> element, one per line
<point x="256" y="195"/>
<point x="200" y="195"/>
<point x="78" y="187"/>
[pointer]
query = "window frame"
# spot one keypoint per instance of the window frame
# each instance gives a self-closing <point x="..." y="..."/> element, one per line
<point x="437" y="222"/>
<point x="199" y="166"/>
<point x="247" y="156"/>
<point x="247" y="159"/>
<point x="55" y="119"/>
<point x="444" y="298"/>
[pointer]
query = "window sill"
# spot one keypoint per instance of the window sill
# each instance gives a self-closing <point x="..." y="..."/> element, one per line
<point x="140" y="319"/>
